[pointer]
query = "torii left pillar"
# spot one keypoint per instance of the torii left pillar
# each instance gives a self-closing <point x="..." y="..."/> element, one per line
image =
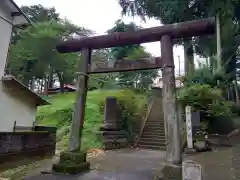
<point x="79" y="111"/>
<point x="75" y="158"/>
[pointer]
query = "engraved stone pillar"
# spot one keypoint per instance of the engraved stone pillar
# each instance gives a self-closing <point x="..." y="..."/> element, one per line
<point x="111" y="115"/>
<point x="112" y="133"/>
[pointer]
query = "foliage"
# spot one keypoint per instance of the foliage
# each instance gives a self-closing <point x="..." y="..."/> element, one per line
<point x="205" y="75"/>
<point x="59" y="114"/>
<point x="34" y="54"/>
<point x="132" y="109"/>
<point x="138" y="79"/>
<point x="106" y="80"/>
<point x="184" y="10"/>
<point x="38" y="13"/>
<point x="203" y="97"/>
<point x="236" y="109"/>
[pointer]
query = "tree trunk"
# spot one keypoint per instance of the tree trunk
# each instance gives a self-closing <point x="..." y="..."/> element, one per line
<point x="61" y="82"/>
<point x="236" y="92"/>
<point x="218" y="34"/>
<point x="42" y="85"/>
<point x="172" y="124"/>
<point x="79" y="112"/>
<point x="26" y="81"/>
<point x="188" y="57"/>
<point x="50" y="80"/>
<point x="33" y="84"/>
<point x="38" y="85"/>
<point x="45" y="86"/>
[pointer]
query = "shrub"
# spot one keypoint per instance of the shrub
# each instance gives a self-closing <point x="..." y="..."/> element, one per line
<point x="205" y="98"/>
<point x="132" y="109"/>
<point x="236" y="109"/>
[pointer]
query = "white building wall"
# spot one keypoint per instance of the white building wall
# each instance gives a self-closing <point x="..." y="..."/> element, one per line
<point x="15" y="106"/>
<point x="5" y="36"/>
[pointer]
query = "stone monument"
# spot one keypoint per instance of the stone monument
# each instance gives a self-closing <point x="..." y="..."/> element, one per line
<point x="112" y="133"/>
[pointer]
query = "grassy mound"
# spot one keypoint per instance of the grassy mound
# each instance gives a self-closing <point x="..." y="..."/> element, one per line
<point x="59" y="114"/>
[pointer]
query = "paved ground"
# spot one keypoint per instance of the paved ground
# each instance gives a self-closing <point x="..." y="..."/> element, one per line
<point x="125" y="164"/>
<point x="221" y="164"/>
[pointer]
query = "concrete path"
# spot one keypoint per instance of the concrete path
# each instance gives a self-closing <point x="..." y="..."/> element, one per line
<point x="125" y="164"/>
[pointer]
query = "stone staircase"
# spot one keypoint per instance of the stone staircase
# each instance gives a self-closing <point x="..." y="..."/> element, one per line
<point x="153" y="135"/>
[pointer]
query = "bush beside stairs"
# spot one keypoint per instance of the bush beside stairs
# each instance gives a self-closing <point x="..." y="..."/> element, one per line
<point x="153" y="135"/>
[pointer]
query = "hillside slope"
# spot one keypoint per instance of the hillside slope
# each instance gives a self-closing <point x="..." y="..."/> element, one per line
<point x="59" y="114"/>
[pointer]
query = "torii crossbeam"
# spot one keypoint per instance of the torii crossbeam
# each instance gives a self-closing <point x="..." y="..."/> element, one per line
<point x="177" y="30"/>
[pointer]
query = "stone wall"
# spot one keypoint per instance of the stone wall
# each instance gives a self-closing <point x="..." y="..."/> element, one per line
<point x="18" y="148"/>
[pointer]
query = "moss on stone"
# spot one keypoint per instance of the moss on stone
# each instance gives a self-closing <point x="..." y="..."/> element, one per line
<point x="71" y="163"/>
<point x="75" y="157"/>
<point x="172" y="172"/>
<point x="68" y="168"/>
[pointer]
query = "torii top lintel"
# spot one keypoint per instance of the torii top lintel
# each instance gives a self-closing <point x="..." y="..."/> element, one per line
<point x="177" y="30"/>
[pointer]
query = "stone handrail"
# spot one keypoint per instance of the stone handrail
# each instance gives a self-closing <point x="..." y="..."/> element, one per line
<point x="145" y="120"/>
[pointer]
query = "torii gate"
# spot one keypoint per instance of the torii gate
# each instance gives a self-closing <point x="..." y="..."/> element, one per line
<point x="165" y="34"/>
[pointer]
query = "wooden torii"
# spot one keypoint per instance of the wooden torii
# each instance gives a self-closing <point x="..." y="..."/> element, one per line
<point x="165" y="34"/>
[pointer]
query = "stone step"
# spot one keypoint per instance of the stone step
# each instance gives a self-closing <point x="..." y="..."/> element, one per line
<point x="163" y="148"/>
<point x="115" y="136"/>
<point x="154" y="129"/>
<point x="153" y="115"/>
<point x="113" y="133"/>
<point x="154" y="143"/>
<point x="159" y="119"/>
<point x="160" y="125"/>
<point x="152" y="139"/>
<point x="156" y="120"/>
<point x="153" y="134"/>
<point x="123" y="140"/>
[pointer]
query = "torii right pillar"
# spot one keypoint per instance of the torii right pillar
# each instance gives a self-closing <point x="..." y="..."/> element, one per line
<point x="172" y="125"/>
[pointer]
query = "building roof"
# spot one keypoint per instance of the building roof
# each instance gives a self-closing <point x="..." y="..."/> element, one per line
<point x="20" y="18"/>
<point x="10" y="80"/>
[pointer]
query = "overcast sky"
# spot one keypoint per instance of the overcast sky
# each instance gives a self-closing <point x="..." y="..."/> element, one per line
<point x="99" y="16"/>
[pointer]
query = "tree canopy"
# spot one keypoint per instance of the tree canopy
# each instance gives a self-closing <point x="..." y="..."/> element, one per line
<point x="138" y="79"/>
<point x="35" y="61"/>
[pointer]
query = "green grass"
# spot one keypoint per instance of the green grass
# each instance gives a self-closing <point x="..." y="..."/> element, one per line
<point x="59" y="114"/>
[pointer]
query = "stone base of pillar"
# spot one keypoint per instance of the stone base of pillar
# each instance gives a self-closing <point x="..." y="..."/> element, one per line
<point x="190" y="151"/>
<point x="113" y="138"/>
<point x="72" y="163"/>
<point x="171" y="172"/>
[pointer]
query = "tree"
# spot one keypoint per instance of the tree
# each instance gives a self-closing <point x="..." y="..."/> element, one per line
<point x="38" y="13"/>
<point x="184" y="10"/>
<point x="138" y="79"/>
<point x="106" y="80"/>
<point x="38" y="56"/>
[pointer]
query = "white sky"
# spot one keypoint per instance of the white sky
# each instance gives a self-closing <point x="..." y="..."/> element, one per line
<point x="99" y="16"/>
